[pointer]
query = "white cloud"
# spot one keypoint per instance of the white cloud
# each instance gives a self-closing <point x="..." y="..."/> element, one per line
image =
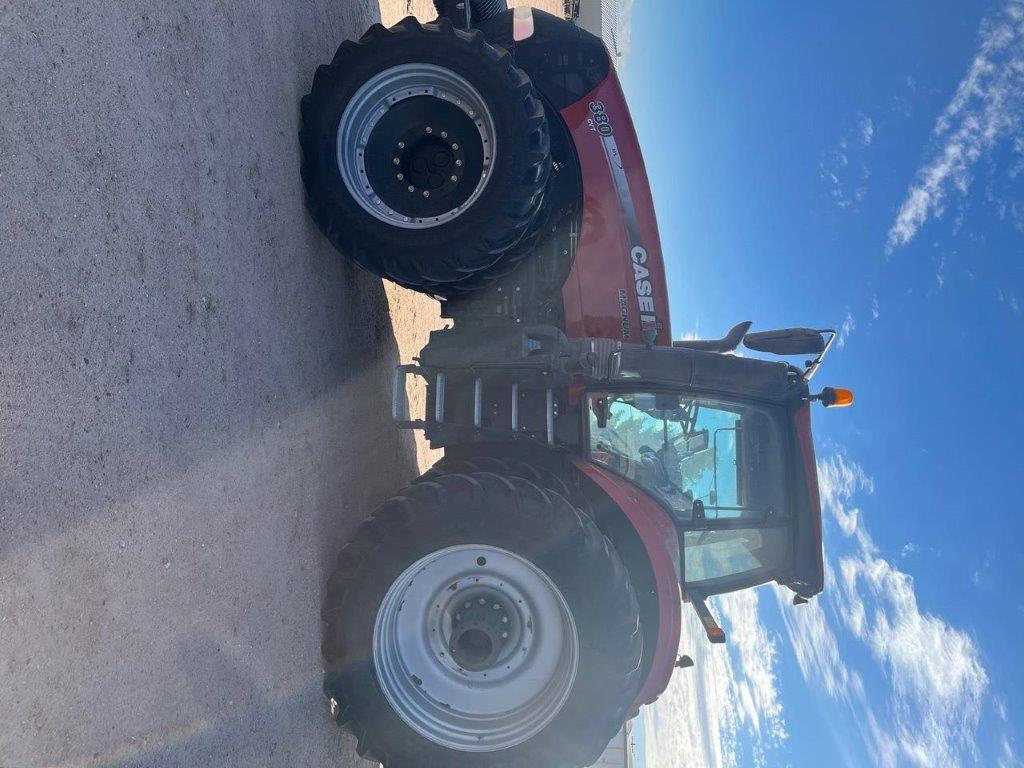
<point x="909" y="549"/>
<point x="937" y="680"/>
<point x="815" y="645"/>
<point x="1007" y="759"/>
<point x="928" y="672"/>
<point x="755" y="654"/>
<point x="849" y="326"/>
<point x="838" y="481"/>
<point x="844" y="170"/>
<point x="694" y="722"/>
<point x="981" y="573"/>
<point x="726" y="711"/>
<point x="1010" y="298"/>
<point x="875" y="309"/>
<point x="1000" y="706"/>
<point x="916" y="701"/>
<point x="867" y="130"/>
<point x="986" y="108"/>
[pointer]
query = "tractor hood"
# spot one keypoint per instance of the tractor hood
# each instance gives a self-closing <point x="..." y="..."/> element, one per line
<point x="616" y="288"/>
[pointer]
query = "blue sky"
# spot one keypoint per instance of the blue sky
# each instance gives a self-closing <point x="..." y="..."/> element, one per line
<point x="858" y="165"/>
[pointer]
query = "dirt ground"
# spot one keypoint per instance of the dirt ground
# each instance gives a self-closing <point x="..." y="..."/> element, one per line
<point x="193" y="387"/>
<point x="394" y="10"/>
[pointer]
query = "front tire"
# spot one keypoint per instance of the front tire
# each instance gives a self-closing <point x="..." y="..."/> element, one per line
<point x="425" y="155"/>
<point x="461" y="698"/>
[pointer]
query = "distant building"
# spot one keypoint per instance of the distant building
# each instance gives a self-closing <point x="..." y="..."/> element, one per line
<point x="619" y="752"/>
<point x="608" y="19"/>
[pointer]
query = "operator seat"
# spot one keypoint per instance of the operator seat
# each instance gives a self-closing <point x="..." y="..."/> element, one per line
<point x="653" y="474"/>
<point x="653" y="468"/>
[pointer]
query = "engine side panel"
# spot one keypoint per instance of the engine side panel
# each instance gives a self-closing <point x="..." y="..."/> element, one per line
<point x="616" y="288"/>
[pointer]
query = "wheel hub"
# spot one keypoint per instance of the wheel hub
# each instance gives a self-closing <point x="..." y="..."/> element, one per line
<point x="475" y="648"/>
<point x="429" y="160"/>
<point x="480" y="632"/>
<point x="416" y="145"/>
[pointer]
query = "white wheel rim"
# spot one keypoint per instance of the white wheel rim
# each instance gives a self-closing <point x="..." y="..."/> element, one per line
<point x="372" y="101"/>
<point x="522" y="686"/>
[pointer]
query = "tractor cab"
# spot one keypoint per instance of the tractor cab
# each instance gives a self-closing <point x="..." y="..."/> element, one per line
<point x="723" y="444"/>
<point x="718" y="466"/>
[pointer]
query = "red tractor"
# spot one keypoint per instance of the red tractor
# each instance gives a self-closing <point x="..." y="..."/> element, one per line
<point x="521" y="600"/>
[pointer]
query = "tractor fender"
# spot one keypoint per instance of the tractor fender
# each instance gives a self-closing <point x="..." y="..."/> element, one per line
<point x="660" y="542"/>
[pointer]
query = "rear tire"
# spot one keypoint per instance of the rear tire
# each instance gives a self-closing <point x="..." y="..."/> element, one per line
<point x="483" y="510"/>
<point x="439" y="211"/>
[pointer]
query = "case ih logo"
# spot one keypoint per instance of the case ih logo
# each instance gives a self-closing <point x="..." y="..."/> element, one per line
<point x="602" y="126"/>
<point x="644" y="300"/>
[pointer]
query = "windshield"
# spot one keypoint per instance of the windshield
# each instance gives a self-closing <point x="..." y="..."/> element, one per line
<point x="706" y="459"/>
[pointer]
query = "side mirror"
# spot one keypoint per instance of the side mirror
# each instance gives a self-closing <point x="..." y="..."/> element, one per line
<point x="669" y="403"/>
<point x="697" y="442"/>
<point x="787" y="341"/>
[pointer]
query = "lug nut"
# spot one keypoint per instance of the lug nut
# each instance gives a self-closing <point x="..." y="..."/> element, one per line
<point x="429" y="129"/>
<point x="455" y="178"/>
<point x="395" y="160"/>
<point x="426" y="193"/>
<point x="458" y="163"/>
<point x="444" y="134"/>
<point x="400" y="177"/>
<point x="401" y="145"/>
<point x="482" y="601"/>
<point x="455" y="146"/>
<point x="412" y="188"/>
<point x="504" y="619"/>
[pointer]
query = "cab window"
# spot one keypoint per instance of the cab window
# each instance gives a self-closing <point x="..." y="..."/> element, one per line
<point x="732" y="553"/>
<point x="700" y="457"/>
<point x="718" y="466"/>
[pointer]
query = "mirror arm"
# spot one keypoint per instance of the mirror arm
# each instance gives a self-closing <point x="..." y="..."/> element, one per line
<point x="815" y="364"/>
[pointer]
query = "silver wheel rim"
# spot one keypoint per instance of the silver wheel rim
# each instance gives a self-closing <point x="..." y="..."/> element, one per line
<point x="379" y="94"/>
<point x="509" y="699"/>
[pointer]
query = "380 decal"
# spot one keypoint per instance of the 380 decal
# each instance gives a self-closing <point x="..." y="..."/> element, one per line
<point x="599" y="119"/>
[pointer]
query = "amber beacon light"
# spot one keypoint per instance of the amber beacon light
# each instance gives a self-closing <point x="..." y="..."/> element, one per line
<point x="835" y="397"/>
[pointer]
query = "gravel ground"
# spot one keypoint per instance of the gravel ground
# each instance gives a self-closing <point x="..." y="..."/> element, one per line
<point x="193" y="387"/>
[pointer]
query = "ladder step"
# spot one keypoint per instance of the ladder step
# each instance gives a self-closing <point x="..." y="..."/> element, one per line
<point x="551" y="416"/>
<point x="478" y="402"/>
<point x="439" y="383"/>
<point x="515" y="407"/>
